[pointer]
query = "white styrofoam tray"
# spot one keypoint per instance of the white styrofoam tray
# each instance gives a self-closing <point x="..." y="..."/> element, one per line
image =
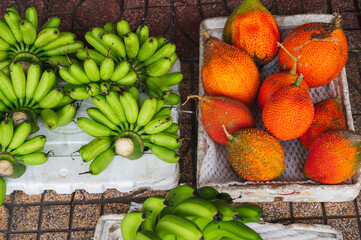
<point x="61" y="171"/>
<point x="108" y="228"/>
<point x="214" y="169"/>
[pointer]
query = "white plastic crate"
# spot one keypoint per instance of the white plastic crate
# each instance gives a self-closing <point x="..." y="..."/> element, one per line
<point x="61" y="171"/>
<point x="214" y="169"/>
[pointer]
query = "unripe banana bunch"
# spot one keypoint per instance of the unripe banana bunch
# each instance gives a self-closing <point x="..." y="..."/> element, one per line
<point x="194" y="214"/>
<point x="146" y="56"/>
<point x="28" y="95"/>
<point x="23" y="40"/>
<point x="18" y="150"/>
<point x="120" y="124"/>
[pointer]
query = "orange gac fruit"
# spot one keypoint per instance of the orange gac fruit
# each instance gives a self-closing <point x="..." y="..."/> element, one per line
<point x="220" y="110"/>
<point x="334" y="156"/>
<point x="255" y="155"/>
<point x="252" y="28"/>
<point x="228" y="71"/>
<point x="322" y="48"/>
<point x="289" y="112"/>
<point x="328" y="115"/>
<point x="278" y="80"/>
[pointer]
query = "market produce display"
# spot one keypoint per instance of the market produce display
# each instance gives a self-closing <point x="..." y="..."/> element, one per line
<point x="121" y="125"/>
<point x="18" y="150"/>
<point x="194" y="214"/>
<point x="24" y="40"/>
<point x="124" y="58"/>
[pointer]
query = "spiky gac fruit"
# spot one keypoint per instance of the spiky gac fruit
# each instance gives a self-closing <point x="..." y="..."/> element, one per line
<point x="334" y="156"/>
<point x="322" y="48"/>
<point x="252" y="28"/>
<point x="328" y="115"/>
<point x="220" y="110"/>
<point x="276" y="81"/>
<point x="228" y="71"/>
<point x="289" y="112"/>
<point x="255" y="155"/>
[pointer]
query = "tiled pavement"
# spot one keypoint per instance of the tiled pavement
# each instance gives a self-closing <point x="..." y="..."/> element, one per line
<point x="74" y="216"/>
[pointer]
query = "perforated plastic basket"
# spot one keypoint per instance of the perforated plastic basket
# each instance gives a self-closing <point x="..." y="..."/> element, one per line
<point x="214" y="169"/>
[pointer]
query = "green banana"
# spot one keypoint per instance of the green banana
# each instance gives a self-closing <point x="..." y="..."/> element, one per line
<point x="52" y="99"/>
<point x="66" y="114"/>
<point x="120" y="71"/>
<point x="93" y="89"/>
<point x="9" y="167"/>
<point x="32" y="145"/>
<point x="63" y="39"/>
<point x="91" y="69"/>
<point x="159" y="67"/>
<point x="102" y="104"/>
<point x="200" y="222"/>
<point x="134" y="91"/>
<point x="95" y="42"/>
<point x="164" y="111"/>
<point x="2" y="190"/>
<point x="7" y="89"/>
<point x="226" y="212"/>
<point x="163" y="153"/>
<point x="77" y="71"/>
<point x="18" y="79"/>
<point x="165" y="51"/>
<point x="6" y="131"/>
<point x="129" y="79"/>
<point x="46" y="36"/>
<point x="157" y="86"/>
<point x="50" y="118"/>
<point x="107" y="67"/>
<point x="110" y="27"/>
<point x="32" y="16"/>
<point x="178" y="226"/>
<point x="93" y="128"/>
<point x="79" y="92"/>
<point x="147" y="49"/>
<point x="53" y="22"/>
<point x="6" y="33"/>
<point x="172" y="99"/>
<point x="21" y="132"/>
<point x="13" y="19"/>
<point x="197" y="207"/>
<point x="171" y="79"/>
<point x="152" y="206"/>
<point x="157" y="125"/>
<point x="130" y="224"/>
<point x="32" y="81"/>
<point x="131" y="43"/>
<point x="173" y="128"/>
<point x="164" y="139"/>
<point x="147" y="235"/>
<point x="4" y="45"/>
<point x="94" y="148"/>
<point x="46" y="83"/>
<point x="142" y="32"/>
<point x="113" y="99"/>
<point x="64" y="49"/>
<point x="82" y="54"/>
<point x="98" y="116"/>
<point x="230" y="229"/>
<point x="101" y="162"/>
<point x="250" y="212"/>
<point x="36" y="158"/>
<point x="161" y="41"/>
<point x="146" y="112"/>
<point x="66" y="76"/>
<point x="116" y="43"/>
<point x="123" y="28"/>
<point x="28" y="31"/>
<point x="130" y="107"/>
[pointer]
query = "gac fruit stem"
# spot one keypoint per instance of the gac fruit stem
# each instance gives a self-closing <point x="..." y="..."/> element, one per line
<point x="298" y="81"/>
<point x="337" y="20"/>
<point x="206" y="34"/>
<point x="192" y="96"/>
<point x="229" y="136"/>
<point x="295" y="59"/>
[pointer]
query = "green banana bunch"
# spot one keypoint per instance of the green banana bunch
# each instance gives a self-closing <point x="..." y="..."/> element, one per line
<point x="22" y="40"/>
<point x="117" y="119"/>
<point x="135" y="57"/>
<point x="188" y="213"/>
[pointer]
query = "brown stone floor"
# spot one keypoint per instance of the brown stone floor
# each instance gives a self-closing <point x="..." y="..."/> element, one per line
<point x="74" y="216"/>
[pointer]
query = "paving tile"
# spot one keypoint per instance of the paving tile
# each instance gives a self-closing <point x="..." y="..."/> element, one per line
<point x="116" y="208"/>
<point x="285" y="7"/>
<point x="349" y="20"/>
<point x="134" y="17"/>
<point x="2" y="236"/>
<point x="62" y="6"/>
<point x="4" y="217"/>
<point x="81" y="195"/>
<point x="23" y="236"/>
<point x="357" y="123"/>
<point x="309" y="221"/>
<point x="315" y="6"/>
<point x="306" y="209"/>
<point x="340" y="209"/>
<point x="25" y="218"/>
<point x="213" y="10"/>
<point x="52" y="196"/>
<point x="347" y="226"/>
<point x="342" y="5"/>
<point x="54" y="236"/>
<point x="85" y="216"/>
<point x="82" y="235"/>
<point x="21" y="197"/>
<point x="92" y="13"/>
<point x="155" y="20"/>
<point x="275" y="210"/>
<point x="353" y="39"/>
<point x="55" y="217"/>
